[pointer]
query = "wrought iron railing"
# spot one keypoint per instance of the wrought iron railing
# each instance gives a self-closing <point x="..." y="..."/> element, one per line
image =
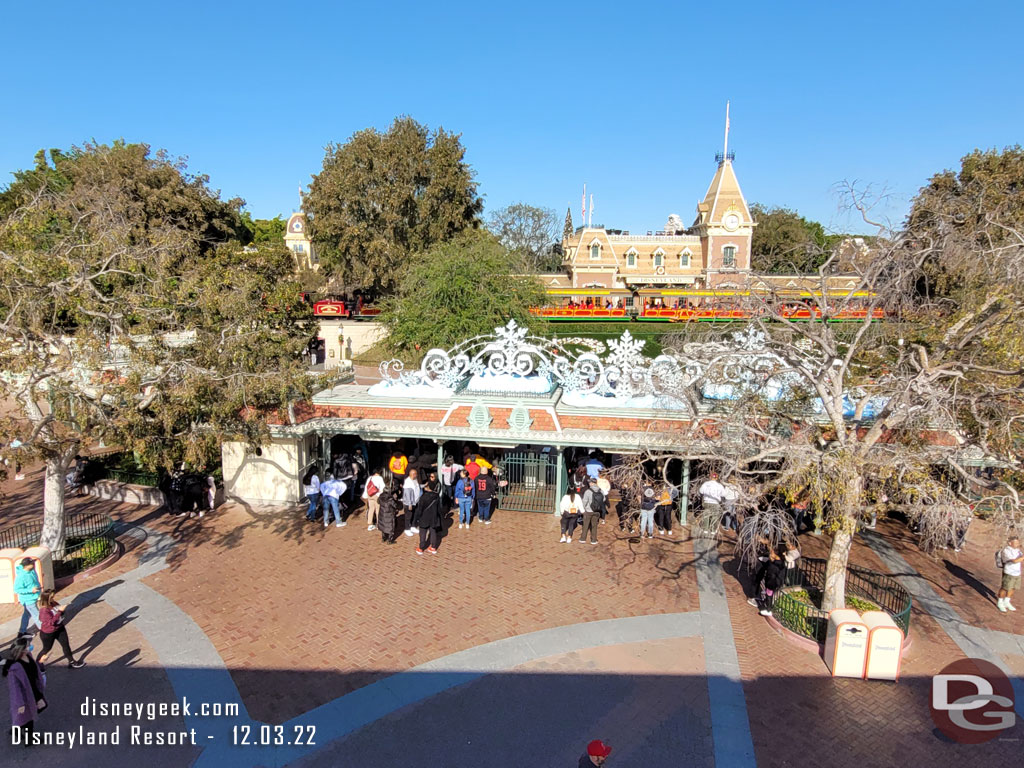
<point x="804" y="617"/>
<point x="88" y="538"/>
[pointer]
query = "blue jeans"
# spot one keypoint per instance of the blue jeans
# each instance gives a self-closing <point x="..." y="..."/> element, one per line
<point x="465" y="510"/>
<point x="31" y="611"/>
<point x="331" y="505"/>
<point x="647" y="521"/>
<point x="314" y="502"/>
<point x="483" y="509"/>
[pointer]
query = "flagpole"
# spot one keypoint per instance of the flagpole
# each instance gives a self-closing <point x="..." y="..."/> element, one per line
<point x="725" y="149"/>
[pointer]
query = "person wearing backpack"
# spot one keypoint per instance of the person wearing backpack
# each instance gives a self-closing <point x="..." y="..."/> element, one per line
<point x="1008" y="559"/>
<point x="371" y="497"/>
<point x="594" y="503"/>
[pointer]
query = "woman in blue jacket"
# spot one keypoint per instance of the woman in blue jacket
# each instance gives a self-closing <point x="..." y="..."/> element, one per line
<point x="464" y="496"/>
<point x="26" y="587"/>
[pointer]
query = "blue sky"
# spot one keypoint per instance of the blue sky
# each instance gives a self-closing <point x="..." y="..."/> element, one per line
<point x="628" y="98"/>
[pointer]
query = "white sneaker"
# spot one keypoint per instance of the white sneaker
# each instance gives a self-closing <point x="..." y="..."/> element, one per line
<point x="408" y="532"/>
<point x="661" y="532"/>
<point x="20" y="476"/>
<point x="1002" y="607"/>
<point x="567" y="541"/>
<point x="371" y="527"/>
<point x="670" y="533"/>
<point x="593" y="542"/>
<point x="416" y="529"/>
<point x="1009" y="606"/>
<point x="562" y="540"/>
<point x="487" y="522"/>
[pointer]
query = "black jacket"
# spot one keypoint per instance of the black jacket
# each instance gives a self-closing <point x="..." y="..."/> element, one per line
<point x="428" y="513"/>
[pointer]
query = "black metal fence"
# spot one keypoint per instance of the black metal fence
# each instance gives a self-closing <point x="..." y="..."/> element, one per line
<point x="802" y="615"/>
<point x="88" y="539"/>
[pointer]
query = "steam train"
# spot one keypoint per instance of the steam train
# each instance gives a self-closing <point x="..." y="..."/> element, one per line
<point x="659" y="305"/>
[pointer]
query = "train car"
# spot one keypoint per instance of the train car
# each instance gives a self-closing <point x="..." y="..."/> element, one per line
<point x="354" y="308"/>
<point x="656" y="305"/>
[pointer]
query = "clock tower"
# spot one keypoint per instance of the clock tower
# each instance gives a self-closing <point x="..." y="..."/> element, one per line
<point x="725" y="225"/>
<point x="296" y="237"/>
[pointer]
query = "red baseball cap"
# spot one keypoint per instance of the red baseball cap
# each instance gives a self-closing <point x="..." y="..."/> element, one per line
<point x="598" y="748"/>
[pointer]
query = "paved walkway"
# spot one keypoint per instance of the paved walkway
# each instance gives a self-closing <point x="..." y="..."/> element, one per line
<point x="505" y="643"/>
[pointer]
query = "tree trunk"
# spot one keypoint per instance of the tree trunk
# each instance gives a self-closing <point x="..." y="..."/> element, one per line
<point x="842" y="540"/>
<point x="53" y="504"/>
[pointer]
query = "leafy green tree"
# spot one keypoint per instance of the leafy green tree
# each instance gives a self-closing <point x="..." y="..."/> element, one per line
<point x="382" y="197"/>
<point x="785" y="242"/>
<point x="529" y="232"/>
<point x="265" y="230"/>
<point x="459" y="289"/>
<point x="130" y="314"/>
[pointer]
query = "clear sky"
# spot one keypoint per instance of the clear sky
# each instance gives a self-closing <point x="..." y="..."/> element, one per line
<point x="627" y="97"/>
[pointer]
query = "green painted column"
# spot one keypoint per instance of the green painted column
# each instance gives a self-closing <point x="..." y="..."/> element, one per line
<point x="325" y="455"/>
<point x="684" y="492"/>
<point x="560" y="478"/>
<point x="440" y="458"/>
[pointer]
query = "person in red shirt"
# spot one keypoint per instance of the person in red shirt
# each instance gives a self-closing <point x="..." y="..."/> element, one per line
<point x="51" y="628"/>
<point x="473" y="468"/>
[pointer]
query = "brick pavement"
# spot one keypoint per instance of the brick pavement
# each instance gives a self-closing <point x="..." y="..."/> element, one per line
<point x="795" y="707"/>
<point x="309" y="599"/>
<point x="648" y="700"/>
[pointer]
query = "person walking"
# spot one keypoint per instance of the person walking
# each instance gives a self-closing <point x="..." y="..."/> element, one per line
<point x="52" y="629"/>
<point x="429" y="518"/>
<point x="372" y="490"/>
<point x="311" y="487"/>
<point x="464" y="497"/>
<point x="26" y="686"/>
<point x="450" y="473"/>
<point x="772" y="576"/>
<point x="571" y="508"/>
<point x="332" y="490"/>
<point x="387" y="514"/>
<point x="485" y="487"/>
<point x="594" y="504"/>
<point x="663" y="512"/>
<point x="594" y="466"/>
<point x="712" y="493"/>
<point x="1008" y="559"/>
<point x="606" y="488"/>
<point x="596" y="754"/>
<point x="26" y="587"/>
<point x="411" y="492"/>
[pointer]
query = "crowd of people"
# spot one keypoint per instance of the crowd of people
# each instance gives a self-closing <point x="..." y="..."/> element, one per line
<point x="416" y="499"/>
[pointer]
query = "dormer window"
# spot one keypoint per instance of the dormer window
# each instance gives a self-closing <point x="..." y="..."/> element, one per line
<point x="631" y="255"/>
<point x="729" y="256"/>
<point x="595" y="251"/>
<point x="659" y="258"/>
<point x="684" y="259"/>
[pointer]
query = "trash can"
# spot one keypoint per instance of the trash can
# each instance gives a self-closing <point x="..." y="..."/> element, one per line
<point x="9" y="559"/>
<point x="846" y="644"/>
<point x="44" y="565"/>
<point x="885" y="646"/>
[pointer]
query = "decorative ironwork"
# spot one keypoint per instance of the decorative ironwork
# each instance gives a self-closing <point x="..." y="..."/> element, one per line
<point x="520" y="361"/>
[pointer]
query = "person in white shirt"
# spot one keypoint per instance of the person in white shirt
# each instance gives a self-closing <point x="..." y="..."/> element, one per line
<point x="449" y="472"/>
<point x="332" y="490"/>
<point x="374" y="483"/>
<point x="311" y="488"/>
<point x="730" y="496"/>
<point x="711" y="491"/>
<point x="1010" y="557"/>
<point x="571" y="507"/>
<point x="411" y="492"/>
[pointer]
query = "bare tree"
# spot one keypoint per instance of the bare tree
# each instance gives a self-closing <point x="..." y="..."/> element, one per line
<point x="883" y="409"/>
<point x="530" y="232"/>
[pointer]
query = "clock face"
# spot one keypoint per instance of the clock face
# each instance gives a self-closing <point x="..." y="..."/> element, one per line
<point x="297" y="226"/>
<point x="732" y="221"/>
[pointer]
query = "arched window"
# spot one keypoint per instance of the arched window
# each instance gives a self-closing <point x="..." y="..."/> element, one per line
<point x="659" y="258"/>
<point x="595" y="251"/>
<point x="729" y="256"/>
<point x="684" y="259"/>
<point x="631" y="257"/>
